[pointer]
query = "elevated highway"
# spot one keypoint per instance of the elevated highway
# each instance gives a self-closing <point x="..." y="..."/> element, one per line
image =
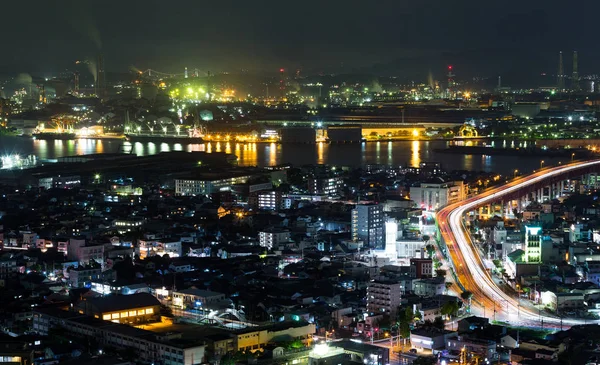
<point x="471" y="273"/>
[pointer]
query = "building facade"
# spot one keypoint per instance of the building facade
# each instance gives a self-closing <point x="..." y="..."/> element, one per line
<point x="273" y="237"/>
<point x="148" y="346"/>
<point x="383" y="297"/>
<point x="368" y="225"/>
<point x="434" y="196"/>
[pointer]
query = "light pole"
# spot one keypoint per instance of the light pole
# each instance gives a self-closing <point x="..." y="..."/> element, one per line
<point x="541" y="164"/>
<point x="515" y="175"/>
<point x="519" y="301"/>
<point x="572" y="156"/>
<point x="327" y="333"/>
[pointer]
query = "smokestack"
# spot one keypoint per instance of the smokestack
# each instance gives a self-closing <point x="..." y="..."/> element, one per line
<point x="76" y="81"/>
<point x="560" y="77"/>
<point x="100" y="77"/>
<point x="185" y="74"/>
<point x="575" y="76"/>
<point x="499" y="82"/>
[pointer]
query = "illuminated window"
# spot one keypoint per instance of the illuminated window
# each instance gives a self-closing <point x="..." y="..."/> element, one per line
<point x="132" y="314"/>
<point x="106" y="317"/>
<point x="124" y="315"/>
<point x="140" y="312"/>
<point x="115" y="316"/>
<point x="149" y="310"/>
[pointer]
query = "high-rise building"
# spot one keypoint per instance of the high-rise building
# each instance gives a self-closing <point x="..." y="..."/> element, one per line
<point x="575" y="76"/>
<point x="383" y="297"/>
<point x="76" y="82"/>
<point x="533" y="240"/>
<point x="561" y="73"/>
<point x="368" y="225"/>
<point x="325" y="184"/>
<point x="451" y="82"/>
<point x="273" y="237"/>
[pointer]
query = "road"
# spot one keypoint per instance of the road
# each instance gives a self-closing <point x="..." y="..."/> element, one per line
<point x="469" y="265"/>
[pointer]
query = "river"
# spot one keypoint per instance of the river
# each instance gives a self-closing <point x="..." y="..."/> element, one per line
<point x="268" y="154"/>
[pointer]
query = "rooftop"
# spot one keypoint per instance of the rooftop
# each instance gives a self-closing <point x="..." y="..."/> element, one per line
<point x="114" y="303"/>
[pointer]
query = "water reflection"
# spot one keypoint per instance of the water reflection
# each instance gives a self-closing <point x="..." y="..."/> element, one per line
<point x="262" y="154"/>
<point x="272" y="154"/>
<point x="320" y="153"/>
<point x="42" y="147"/>
<point x="468" y="162"/>
<point x="59" y="147"/>
<point x="415" y="156"/>
<point x="196" y="147"/>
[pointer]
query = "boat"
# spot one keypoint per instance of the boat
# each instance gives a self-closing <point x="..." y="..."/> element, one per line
<point x="161" y="138"/>
<point x="54" y="136"/>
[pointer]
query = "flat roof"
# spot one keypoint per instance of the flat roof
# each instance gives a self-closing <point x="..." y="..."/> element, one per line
<point x="199" y="292"/>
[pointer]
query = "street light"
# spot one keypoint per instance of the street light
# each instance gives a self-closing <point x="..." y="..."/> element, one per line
<point x="541" y="164"/>
<point x="572" y="156"/>
<point x="516" y="171"/>
<point x="327" y="333"/>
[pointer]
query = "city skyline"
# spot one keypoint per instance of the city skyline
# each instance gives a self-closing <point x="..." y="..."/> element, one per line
<point x="406" y="40"/>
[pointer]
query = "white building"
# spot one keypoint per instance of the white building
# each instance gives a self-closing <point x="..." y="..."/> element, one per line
<point x="368" y="224"/>
<point x="271" y="200"/>
<point x="436" y="195"/>
<point x="429" y="287"/>
<point x="78" y="251"/>
<point x="208" y="184"/>
<point x="273" y="237"/>
<point x="533" y="244"/>
<point x="159" y="248"/>
<point x="562" y="301"/>
<point x="383" y="297"/>
<point x="411" y="249"/>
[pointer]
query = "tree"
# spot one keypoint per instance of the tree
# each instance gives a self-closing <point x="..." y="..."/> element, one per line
<point x="448" y="286"/>
<point x="450" y="308"/>
<point x="403" y="320"/>
<point x="439" y="323"/>
<point x="466" y="296"/>
<point x="430" y="250"/>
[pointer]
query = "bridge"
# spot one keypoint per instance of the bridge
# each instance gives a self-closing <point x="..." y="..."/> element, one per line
<point x="470" y="271"/>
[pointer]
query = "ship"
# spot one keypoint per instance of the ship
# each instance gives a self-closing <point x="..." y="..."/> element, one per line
<point x="54" y="136"/>
<point x="161" y="138"/>
<point x="193" y="136"/>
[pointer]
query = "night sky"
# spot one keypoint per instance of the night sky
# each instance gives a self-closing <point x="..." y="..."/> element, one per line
<point x="481" y="38"/>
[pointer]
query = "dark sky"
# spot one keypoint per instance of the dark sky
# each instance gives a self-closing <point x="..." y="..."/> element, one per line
<point x="394" y="37"/>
